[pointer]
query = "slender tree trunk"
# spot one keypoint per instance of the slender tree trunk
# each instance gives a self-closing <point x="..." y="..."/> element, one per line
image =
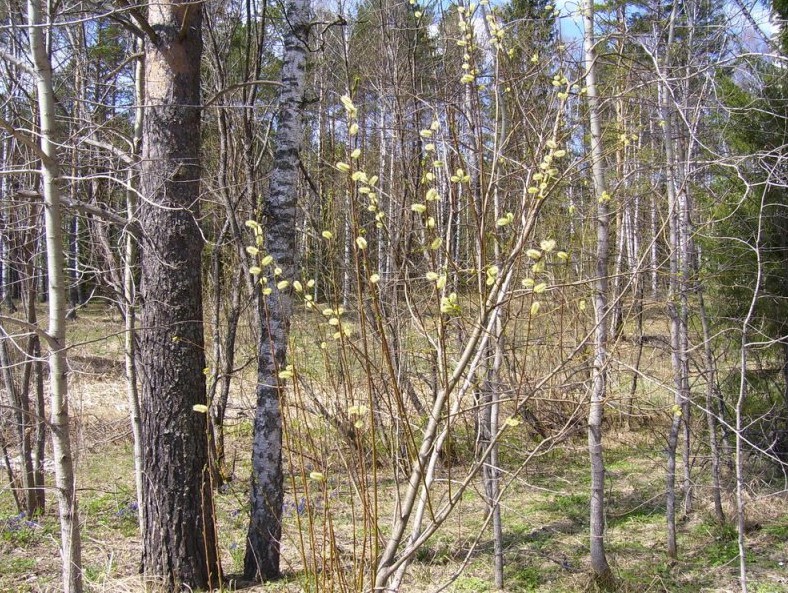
<point x="226" y="376"/>
<point x="491" y="473"/>
<point x="130" y="298"/>
<point x="264" y="535"/>
<point x="740" y="418"/>
<point x="686" y="407"/>
<point x="677" y="305"/>
<point x="34" y="372"/>
<point x="637" y="295"/>
<point x="675" y="343"/>
<point x="5" y="198"/>
<point x="65" y="486"/>
<point x="785" y="378"/>
<point x="711" y="417"/>
<point x="179" y="541"/>
<point x="599" y="564"/>
<point x="19" y="401"/>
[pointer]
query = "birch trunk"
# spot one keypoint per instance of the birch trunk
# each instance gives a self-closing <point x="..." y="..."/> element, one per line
<point x="677" y="305"/>
<point x="65" y="485"/>
<point x="599" y="564"/>
<point x="129" y="298"/>
<point x="265" y="529"/>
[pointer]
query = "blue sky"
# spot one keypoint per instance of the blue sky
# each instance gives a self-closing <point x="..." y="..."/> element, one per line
<point x="572" y="20"/>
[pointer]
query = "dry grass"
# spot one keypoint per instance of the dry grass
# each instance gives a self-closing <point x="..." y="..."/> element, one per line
<point x="545" y="534"/>
<point x="544" y="509"/>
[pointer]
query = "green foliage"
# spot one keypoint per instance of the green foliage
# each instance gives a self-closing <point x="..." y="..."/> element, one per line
<point x="20" y="531"/>
<point x="435" y="554"/>
<point x="778" y="530"/>
<point x="18" y="565"/>
<point x="750" y="232"/>
<point x="94" y="574"/>
<point x="767" y="588"/>
<point x="724" y="547"/>
<point x="524" y="578"/>
<point x="471" y="584"/>
<point x="572" y="506"/>
<point x="112" y="510"/>
<point x="780" y="8"/>
<point x="107" y="49"/>
<point x="237" y="554"/>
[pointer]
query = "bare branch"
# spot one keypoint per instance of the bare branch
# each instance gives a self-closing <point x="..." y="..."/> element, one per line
<point x="236" y="86"/>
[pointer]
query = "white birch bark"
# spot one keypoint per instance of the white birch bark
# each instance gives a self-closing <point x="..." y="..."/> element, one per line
<point x="265" y="528"/>
<point x="129" y="297"/>
<point x="65" y="485"/>
<point x="599" y="564"/>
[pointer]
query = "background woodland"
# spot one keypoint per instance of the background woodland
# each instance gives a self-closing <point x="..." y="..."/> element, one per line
<point x="382" y="295"/>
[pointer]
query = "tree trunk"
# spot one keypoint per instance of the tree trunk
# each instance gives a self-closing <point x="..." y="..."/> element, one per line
<point x="20" y="403"/>
<point x="179" y="542"/>
<point x="130" y="299"/>
<point x="70" y="547"/>
<point x="711" y="417"/>
<point x="34" y="372"/>
<point x="488" y="428"/>
<point x="263" y="539"/>
<point x="602" y="573"/>
<point x="677" y="305"/>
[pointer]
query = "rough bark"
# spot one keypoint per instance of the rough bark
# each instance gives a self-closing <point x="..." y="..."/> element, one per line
<point x="263" y="538"/>
<point x="179" y="542"/>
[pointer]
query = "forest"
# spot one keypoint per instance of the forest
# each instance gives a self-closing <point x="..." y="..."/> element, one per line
<point x="393" y="295"/>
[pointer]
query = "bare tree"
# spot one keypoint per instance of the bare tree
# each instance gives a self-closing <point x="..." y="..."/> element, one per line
<point x="599" y="563"/>
<point x="71" y="548"/>
<point x="265" y="525"/>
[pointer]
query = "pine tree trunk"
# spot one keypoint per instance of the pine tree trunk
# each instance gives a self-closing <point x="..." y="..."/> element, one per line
<point x="263" y="539"/>
<point x="179" y="542"/>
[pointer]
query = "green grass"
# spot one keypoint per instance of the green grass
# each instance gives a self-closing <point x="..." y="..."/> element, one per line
<point x="18" y="566"/>
<point x="524" y="578"/>
<point x="545" y="507"/>
<point x="18" y="531"/>
<point x="114" y="511"/>
<point x="778" y="530"/>
<point x="471" y="585"/>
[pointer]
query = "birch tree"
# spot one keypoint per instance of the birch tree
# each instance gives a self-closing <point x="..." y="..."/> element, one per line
<point x="599" y="563"/>
<point x="261" y="560"/>
<point x="70" y="546"/>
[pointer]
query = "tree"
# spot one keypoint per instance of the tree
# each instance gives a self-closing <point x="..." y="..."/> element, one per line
<point x="71" y="548"/>
<point x="179" y="542"/>
<point x="261" y="560"/>
<point x="599" y="564"/>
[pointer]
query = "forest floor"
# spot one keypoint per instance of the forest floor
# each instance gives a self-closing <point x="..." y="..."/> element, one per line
<point x="544" y="512"/>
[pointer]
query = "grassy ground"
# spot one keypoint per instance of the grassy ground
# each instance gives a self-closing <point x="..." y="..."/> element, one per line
<point x="545" y="537"/>
<point x="544" y="509"/>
